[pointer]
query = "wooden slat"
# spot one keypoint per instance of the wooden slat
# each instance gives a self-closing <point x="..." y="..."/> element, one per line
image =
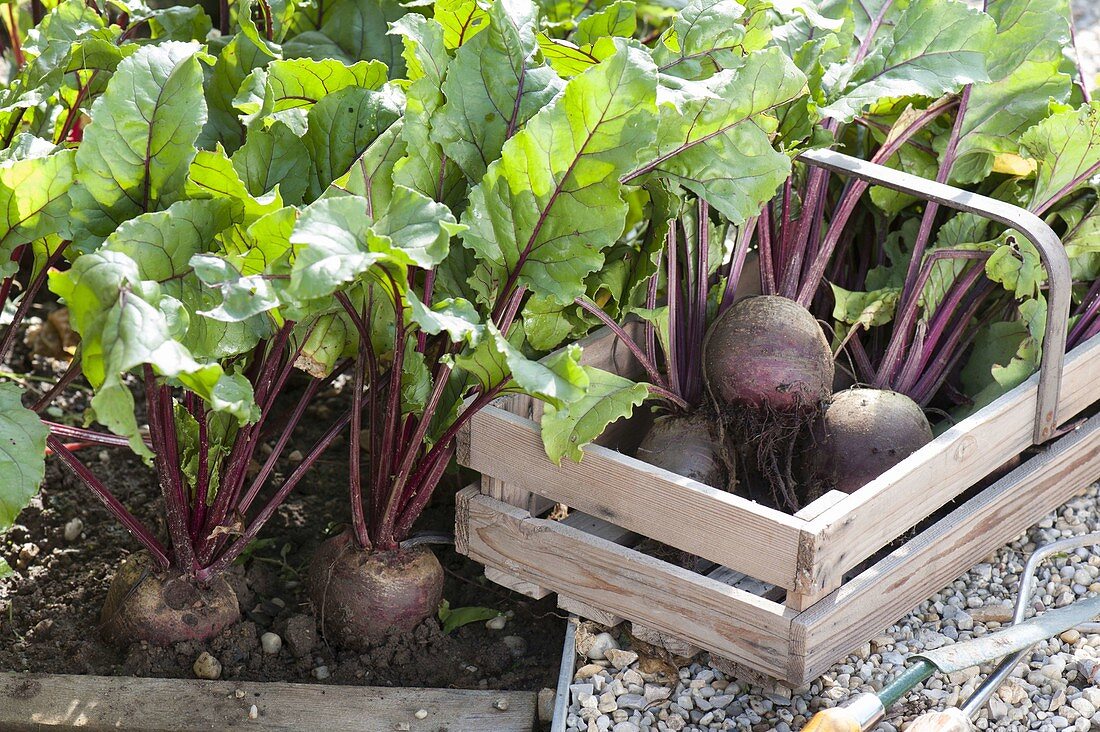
<point x="713" y="524"/>
<point x="515" y="584"/>
<point x="625" y="582"/>
<point x="588" y="612"/>
<point x="893" y="586"/>
<point x="897" y="500"/>
<point x="598" y="527"/>
<point x="45" y="702"/>
<point x="605" y="530"/>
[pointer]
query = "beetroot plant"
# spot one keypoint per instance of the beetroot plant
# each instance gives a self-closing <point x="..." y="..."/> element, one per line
<point x="191" y="161"/>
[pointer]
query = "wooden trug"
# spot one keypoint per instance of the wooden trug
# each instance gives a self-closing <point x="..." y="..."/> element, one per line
<point x="806" y="559"/>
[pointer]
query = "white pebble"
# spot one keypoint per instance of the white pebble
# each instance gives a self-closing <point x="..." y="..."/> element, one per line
<point x="73" y="527"/>
<point x="601" y="644"/>
<point x="271" y="643"/>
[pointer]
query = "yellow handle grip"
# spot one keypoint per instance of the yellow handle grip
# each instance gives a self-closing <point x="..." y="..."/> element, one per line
<point x="837" y="719"/>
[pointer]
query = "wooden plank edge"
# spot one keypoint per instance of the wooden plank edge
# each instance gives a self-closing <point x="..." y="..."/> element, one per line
<point x="639" y="588"/>
<point x="36" y="702"/>
<point x="885" y="592"/>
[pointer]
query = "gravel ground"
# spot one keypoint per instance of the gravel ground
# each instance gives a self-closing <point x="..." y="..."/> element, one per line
<point x="1056" y="690"/>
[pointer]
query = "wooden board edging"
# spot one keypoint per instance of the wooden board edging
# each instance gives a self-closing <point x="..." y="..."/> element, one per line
<point x="37" y="702"/>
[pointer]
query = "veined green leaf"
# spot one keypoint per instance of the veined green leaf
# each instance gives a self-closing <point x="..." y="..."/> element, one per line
<point x="620" y="18"/>
<point x="495" y="83"/>
<point x="705" y="38"/>
<point x="608" y="398"/>
<point x="245" y="52"/>
<point x="34" y="198"/>
<point x="342" y="126"/>
<point x="286" y="90"/>
<point x="559" y="380"/>
<point x="714" y="138"/>
<point x="936" y="47"/>
<point x="354" y="30"/>
<point x="273" y="157"/>
<point x="461" y="20"/>
<point x="1024" y="65"/>
<point x="136" y="152"/>
<point x="1066" y="147"/>
<point x="425" y="167"/>
<point x="22" y="454"/>
<point x="548" y="208"/>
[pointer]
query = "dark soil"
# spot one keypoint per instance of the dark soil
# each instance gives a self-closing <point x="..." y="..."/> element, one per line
<point x="50" y="605"/>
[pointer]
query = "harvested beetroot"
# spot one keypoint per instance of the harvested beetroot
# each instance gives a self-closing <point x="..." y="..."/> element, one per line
<point x="689" y="446"/>
<point x="769" y="370"/>
<point x="364" y="597"/>
<point x="768" y="354"/>
<point x="145" y="603"/>
<point x="863" y="433"/>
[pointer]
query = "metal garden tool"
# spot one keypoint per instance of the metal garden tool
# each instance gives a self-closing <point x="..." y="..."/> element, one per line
<point x="1012" y="644"/>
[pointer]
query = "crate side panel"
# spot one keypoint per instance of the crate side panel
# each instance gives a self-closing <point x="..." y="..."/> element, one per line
<point x="713" y="524"/>
<point x="629" y="584"/>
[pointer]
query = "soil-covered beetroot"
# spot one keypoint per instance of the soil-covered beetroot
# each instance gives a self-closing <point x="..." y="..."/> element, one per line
<point x="769" y="370"/>
<point x="768" y="353"/>
<point x="863" y="433"/>
<point x="361" y="598"/>
<point x="690" y="446"/>
<point x="163" y="608"/>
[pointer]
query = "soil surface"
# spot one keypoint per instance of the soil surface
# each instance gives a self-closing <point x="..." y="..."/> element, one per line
<point x="50" y="606"/>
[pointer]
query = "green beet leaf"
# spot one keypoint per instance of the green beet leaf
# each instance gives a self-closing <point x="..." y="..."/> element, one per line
<point x="609" y="397"/>
<point x="713" y="136"/>
<point x="141" y="141"/>
<point x="496" y="82"/>
<point x="1066" y="148"/>
<point x="551" y="204"/>
<point x="937" y="46"/>
<point x="22" y="454"/>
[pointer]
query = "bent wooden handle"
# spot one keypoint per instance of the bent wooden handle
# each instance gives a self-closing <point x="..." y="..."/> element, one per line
<point x="1051" y="252"/>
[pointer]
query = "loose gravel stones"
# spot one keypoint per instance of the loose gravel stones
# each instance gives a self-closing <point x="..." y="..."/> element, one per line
<point x="1058" y="688"/>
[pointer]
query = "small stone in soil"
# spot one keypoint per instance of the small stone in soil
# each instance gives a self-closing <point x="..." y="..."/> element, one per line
<point x="496" y="623"/>
<point x="421" y="714"/>
<point x="207" y="667"/>
<point x="73" y="527"/>
<point x="501" y="704"/>
<point x="271" y="643"/>
<point x="300" y="635"/>
<point x="238" y="693"/>
<point x="620" y="658"/>
<point x="295" y="456"/>
<point x="253" y="712"/>
<point x="515" y="644"/>
<point x="27" y="553"/>
<point x="321" y="673"/>
<point x="546" y="699"/>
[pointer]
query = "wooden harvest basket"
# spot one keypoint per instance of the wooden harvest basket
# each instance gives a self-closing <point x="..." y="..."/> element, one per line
<point x="779" y="597"/>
